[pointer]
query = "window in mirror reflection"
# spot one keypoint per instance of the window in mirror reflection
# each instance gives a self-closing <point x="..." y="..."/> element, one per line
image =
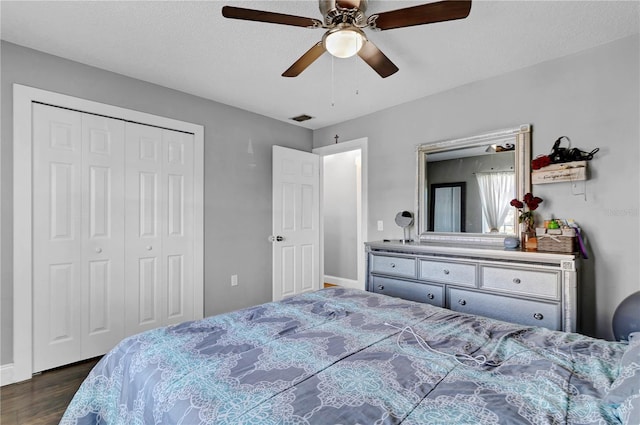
<point x="496" y="191"/>
<point x="489" y="179"/>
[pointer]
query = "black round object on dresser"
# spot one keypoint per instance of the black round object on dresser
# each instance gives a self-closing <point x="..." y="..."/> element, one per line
<point x="626" y="318"/>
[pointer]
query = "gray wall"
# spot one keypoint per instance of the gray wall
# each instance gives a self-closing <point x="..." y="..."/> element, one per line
<point x="237" y="184"/>
<point x="592" y="97"/>
<point x="340" y="215"/>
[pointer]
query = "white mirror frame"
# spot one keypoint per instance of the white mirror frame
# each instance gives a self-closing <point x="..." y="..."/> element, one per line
<point x="521" y="137"/>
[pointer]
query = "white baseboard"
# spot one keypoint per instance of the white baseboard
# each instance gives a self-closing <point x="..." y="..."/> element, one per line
<point x="6" y="374"/>
<point x="341" y="281"/>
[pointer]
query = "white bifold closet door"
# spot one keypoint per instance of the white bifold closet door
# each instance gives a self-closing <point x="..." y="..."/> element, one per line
<point x="112" y="226"/>
<point x="159" y="227"/>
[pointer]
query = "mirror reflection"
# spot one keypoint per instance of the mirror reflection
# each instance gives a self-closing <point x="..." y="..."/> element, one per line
<point x="465" y="185"/>
<point x="447" y="207"/>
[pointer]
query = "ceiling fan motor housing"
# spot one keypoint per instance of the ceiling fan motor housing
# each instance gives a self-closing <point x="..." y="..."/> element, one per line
<point x="344" y="11"/>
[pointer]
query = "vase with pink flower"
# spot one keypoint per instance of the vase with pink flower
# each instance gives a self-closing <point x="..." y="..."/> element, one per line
<point x="526" y="207"/>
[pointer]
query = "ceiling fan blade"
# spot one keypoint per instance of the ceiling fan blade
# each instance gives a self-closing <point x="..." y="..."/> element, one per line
<point x="377" y="60"/>
<point x="305" y="60"/>
<point x="269" y="17"/>
<point x="447" y="10"/>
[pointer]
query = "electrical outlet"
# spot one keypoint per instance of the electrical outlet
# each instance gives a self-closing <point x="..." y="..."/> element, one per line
<point x="234" y="280"/>
<point x="380" y="226"/>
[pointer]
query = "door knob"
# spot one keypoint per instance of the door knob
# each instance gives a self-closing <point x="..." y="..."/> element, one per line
<point x="149" y="247"/>
<point x="276" y="238"/>
<point x="98" y="250"/>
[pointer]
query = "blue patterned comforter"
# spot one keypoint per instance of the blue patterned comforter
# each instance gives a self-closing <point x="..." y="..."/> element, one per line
<point x="340" y="356"/>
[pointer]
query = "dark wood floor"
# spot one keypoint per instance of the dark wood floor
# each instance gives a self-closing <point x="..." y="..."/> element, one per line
<point x="43" y="399"/>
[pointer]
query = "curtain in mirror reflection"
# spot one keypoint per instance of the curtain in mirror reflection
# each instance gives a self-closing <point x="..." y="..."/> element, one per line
<point x="496" y="189"/>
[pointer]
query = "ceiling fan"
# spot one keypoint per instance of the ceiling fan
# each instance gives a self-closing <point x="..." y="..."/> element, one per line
<point x="345" y="21"/>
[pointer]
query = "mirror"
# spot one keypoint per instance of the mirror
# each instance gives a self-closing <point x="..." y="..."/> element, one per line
<point x="464" y="186"/>
<point x="404" y="219"/>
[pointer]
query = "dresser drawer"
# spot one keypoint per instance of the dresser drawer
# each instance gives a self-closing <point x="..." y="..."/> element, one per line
<point x="448" y="272"/>
<point x="421" y="292"/>
<point x="398" y="266"/>
<point x="539" y="283"/>
<point x="524" y="312"/>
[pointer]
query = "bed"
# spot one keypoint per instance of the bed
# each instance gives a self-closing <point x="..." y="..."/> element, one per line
<point x="343" y="356"/>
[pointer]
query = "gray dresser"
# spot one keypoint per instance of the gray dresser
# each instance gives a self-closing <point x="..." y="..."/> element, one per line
<point x="530" y="288"/>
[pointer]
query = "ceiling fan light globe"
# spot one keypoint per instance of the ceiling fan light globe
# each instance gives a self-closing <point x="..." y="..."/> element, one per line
<point x="344" y="42"/>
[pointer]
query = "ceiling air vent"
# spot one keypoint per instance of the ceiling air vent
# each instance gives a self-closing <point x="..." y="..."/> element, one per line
<point x="300" y="118"/>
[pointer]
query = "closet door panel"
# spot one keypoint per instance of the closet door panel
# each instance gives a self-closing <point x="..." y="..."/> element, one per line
<point x="144" y="277"/>
<point x="57" y="240"/>
<point x="103" y="235"/>
<point x="177" y="227"/>
<point x="112" y="210"/>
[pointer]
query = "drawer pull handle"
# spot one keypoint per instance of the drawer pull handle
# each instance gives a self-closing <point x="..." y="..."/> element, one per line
<point x="462" y="302"/>
<point x="430" y="296"/>
<point x="538" y="316"/>
<point x="445" y="271"/>
<point x="380" y="287"/>
<point x="516" y="280"/>
<point x="393" y="265"/>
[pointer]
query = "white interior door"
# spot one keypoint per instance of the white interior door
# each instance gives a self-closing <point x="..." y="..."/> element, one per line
<point x="57" y="236"/>
<point x="160" y="235"/>
<point x="78" y="235"/>
<point x="144" y="215"/>
<point x="102" y="308"/>
<point x="296" y="220"/>
<point x="69" y="210"/>
<point x="178" y="235"/>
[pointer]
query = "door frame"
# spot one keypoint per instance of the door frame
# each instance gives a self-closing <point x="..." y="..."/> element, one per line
<point x="362" y="235"/>
<point x="23" y="97"/>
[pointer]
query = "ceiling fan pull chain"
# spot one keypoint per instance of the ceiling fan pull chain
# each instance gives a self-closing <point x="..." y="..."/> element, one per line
<point x="333" y="98"/>
<point x="355" y="74"/>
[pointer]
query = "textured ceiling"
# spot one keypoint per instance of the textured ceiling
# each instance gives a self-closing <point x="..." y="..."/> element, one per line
<point x="189" y="46"/>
